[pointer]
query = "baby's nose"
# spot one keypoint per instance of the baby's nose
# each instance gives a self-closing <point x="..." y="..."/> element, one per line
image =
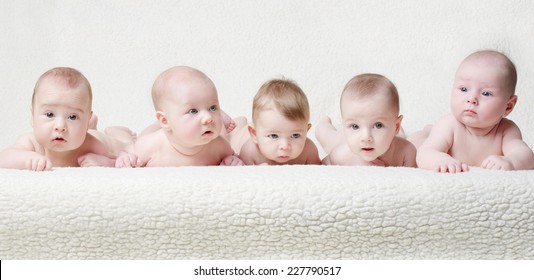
<point x="60" y="126"/>
<point x="284" y="145"/>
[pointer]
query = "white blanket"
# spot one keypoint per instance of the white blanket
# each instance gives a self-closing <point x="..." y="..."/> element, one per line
<point x="266" y="212"/>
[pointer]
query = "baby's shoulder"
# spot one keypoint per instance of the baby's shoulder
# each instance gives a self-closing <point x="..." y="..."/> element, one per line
<point x="220" y="145"/>
<point x="341" y="155"/>
<point x="509" y="128"/>
<point x="447" y="121"/>
<point x="403" y="143"/>
<point x="507" y="124"/>
<point x="27" y="141"/>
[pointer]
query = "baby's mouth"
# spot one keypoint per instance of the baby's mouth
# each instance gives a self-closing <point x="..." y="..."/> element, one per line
<point x="368" y="150"/>
<point x="59" y="139"/>
<point x="207" y="133"/>
<point x="470" y="112"/>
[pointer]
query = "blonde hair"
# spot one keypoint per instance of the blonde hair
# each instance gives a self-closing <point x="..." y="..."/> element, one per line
<point x="371" y="84"/>
<point x="67" y="76"/>
<point x="286" y="97"/>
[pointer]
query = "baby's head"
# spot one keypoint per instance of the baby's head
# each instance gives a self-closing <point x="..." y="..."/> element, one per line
<point x="484" y="89"/>
<point x="280" y="116"/>
<point x="187" y="106"/>
<point x="61" y="109"/>
<point x="370" y="115"/>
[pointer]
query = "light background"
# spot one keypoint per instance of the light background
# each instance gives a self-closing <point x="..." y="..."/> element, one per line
<point x="122" y="45"/>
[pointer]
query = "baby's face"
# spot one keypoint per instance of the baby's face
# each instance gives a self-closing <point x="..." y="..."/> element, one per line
<point x="60" y="116"/>
<point x="278" y="138"/>
<point x="480" y="94"/>
<point x="193" y="114"/>
<point x="369" y="125"/>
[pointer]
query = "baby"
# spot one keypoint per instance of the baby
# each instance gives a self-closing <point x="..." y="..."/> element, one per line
<point x="187" y="109"/>
<point x="477" y="132"/>
<point x="371" y="121"/>
<point x="61" y="120"/>
<point x="280" y="123"/>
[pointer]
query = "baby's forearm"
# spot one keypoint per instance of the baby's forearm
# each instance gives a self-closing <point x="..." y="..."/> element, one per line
<point x="427" y="158"/>
<point x="15" y="159"/>
<point x="522" y="160"/>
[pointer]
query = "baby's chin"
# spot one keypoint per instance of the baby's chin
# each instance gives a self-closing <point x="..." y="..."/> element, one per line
<point x="281" y="160"/>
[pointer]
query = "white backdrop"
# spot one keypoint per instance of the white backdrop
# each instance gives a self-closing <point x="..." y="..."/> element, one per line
<point x="121" y="46"/>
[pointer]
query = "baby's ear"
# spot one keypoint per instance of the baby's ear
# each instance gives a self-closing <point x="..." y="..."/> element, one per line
<point x="309" y="126"/>
<point x="252" y="132"/>
<point x="162" y="119"/>
<point x="510" y="105"/>
<point x="398" y="124"/>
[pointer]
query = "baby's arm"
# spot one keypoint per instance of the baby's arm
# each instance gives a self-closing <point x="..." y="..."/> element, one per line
<point x="97" y="150"/>
<point x="249" y="153"/>
<point x="139" y="153"/>
<point x="227" y="153"/>
<point x="23" y="155"/>
<point x="433" y="153"/>
<point x="516" y="153"/>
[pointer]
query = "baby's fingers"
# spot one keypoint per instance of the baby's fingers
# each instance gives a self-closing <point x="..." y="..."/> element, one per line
<point x="41" y="164"/>
<point x="123" y="162"/>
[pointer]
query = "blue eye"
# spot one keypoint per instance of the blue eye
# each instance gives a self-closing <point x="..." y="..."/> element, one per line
<point x="49" y="115"/>
<point x="273" y="136"/>
<point x="486" y="93"/>
<point x="463" y="89"/>
<point x="72" y="117"/>
<point x="379" y="125"/>
<point x="295" y="135"/>
<point x="354" y="126"/>
<point x="192" y="111"/>
<point x="213" y="108"/>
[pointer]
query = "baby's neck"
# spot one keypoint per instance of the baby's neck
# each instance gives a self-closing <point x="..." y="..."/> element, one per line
<point x="187" y="151"/>
<point x="484" y="131"/>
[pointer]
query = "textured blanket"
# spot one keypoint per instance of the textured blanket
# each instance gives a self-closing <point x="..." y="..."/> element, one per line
<point x="266" y="212"/>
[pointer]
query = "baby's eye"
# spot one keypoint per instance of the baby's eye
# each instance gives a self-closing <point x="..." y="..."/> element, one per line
<point x="486" y="93"/>
<point x="354" y="126"/>
<point x="379" y="125"/>
<point x="49" y="114"/>
<point x="72" y="117"/>
<point x="192" y="111"/>
<point x="213" y="108"/>
<point x="273" y="136"/>
<point x="463" y="89"/>
<point x="295" y="135"/>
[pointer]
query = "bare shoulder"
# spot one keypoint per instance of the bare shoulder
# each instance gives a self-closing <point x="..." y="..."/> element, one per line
<point x="403" y="146"/>
<point x="508" y="127"/>
<point x="311" y="153"/>
<point x="221" y="147"/>
<point x="341" y="155"/>
<point x="446" y="122"/>
<point x="249" y="153"/>
<point x="27" y="142"/>
<point x="149" y="143"/>
<point x="441" y="136"/>
<point x="95" y="143"/>
<point x="404" y="153"/>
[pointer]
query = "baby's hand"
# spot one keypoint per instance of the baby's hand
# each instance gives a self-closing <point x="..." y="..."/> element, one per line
<point x="231" y="161"/>
<point x="91" y="159"/>
<point x="126" y="160"/>
<point x="450" y="165"/>
<point x="37" y="163"/>
<point x="497" y="163"/>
